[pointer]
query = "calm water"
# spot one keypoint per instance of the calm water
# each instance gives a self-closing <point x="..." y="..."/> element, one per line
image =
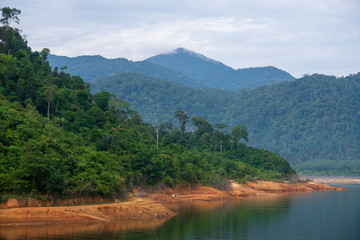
<point x="318" y="215"/>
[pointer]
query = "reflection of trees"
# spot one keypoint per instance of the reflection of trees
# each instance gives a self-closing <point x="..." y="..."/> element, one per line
<point x="229" y="220"/>
<point x="199" y="220"/>
<point x="79" y="231"/>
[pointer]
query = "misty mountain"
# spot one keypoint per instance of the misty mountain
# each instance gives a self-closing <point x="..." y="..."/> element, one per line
<point x="90" y="68"/>
<point x="214" y="74"/>
<point x="180" y="66"/>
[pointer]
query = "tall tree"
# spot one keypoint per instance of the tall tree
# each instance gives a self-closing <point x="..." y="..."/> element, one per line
<point x="220" y="127"/>
<point x="183" y="119"/>
<point x="9" y="15"/>
<point x="202" y="125"/>
<point x="239" y="132"/>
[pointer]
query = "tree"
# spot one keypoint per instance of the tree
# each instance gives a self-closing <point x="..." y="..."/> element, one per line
<point x="183" y="119"/>
<point x="9" y="15"/>
<point x="102" y="100"/>
<point x="220" y="127"/>
<point x="202" y="125"/>
<point x="49" y="91"/>
<point x="238" y="132"/>
<point x="44" y="54"/>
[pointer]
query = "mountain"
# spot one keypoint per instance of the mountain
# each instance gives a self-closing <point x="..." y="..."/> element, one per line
<point x="309" y="121"/>
<point x="189" y="63"/>
<point x="93" y="67"/>
<point x="180" y="66"/>
<point x="214" y="74"/>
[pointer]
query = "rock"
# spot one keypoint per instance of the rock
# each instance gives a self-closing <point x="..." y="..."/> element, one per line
<point x="12" y="203"/>
<point x="33" y="202"/>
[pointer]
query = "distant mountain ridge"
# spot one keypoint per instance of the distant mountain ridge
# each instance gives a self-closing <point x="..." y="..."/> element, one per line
<point x="90" y="68"/>
<point x="179" y="66"/>
<point x="214" y="74"/>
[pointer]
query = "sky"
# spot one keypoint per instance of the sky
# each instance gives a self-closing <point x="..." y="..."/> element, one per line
<point x="298" y="36"/>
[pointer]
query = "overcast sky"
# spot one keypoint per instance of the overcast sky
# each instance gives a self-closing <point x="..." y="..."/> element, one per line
<point x="298" y="36"/>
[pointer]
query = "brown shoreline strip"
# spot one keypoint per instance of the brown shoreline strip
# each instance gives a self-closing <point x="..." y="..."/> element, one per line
<point x="151" y="207"/>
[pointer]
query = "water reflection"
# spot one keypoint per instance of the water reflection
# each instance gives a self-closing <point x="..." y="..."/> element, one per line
<point x="318" y="215"/>
<point x="229" y="220"/>
<point x="73" y="231"/>
<point x="196" y="219"/>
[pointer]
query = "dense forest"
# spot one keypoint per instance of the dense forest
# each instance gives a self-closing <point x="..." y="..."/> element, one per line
<point x="58" y="138"/>
<point x="314" y="118"/>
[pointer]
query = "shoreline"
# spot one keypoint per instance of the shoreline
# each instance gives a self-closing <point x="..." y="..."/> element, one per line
<point x="332" y="180"/>
<point x="150" y="206"/>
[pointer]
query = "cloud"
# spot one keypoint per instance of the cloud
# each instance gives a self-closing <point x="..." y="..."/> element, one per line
<point x="299" y="36"/>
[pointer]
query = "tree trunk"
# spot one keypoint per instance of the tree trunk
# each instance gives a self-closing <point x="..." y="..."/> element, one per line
<point x="157" y="138"/>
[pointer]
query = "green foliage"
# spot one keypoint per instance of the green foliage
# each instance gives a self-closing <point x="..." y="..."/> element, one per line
<point x="315" y="117"/>
<point x="239" y="132"/>
<point x="202" y="126"/>
<point x="9" y="15"/>
<point x="58" y="139"/>
<point x="183" y="118"/>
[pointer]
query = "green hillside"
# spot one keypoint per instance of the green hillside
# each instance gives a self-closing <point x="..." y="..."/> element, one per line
<point x="214" y="74"/>
<point x="157" y="100"/>
<point x="312" y="119"/>
<point x="59" y="140"/>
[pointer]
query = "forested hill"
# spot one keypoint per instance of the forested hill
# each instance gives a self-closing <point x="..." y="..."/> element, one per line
<point x="157" y="100"/>
<point x="180" y="66"/>
<point x="314" y="119"/>
<point x="58" y="140"/>
<point x="214" y="74"/>
<point x="189" y="63"/>
<point x="90" y="68"/>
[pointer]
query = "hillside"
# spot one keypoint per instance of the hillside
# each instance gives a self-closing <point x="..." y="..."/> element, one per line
<point x="157" y="99"/>
<point x="58" y="140"/>
<point x="90" y="68"/>
<point x="214" y="74"/>
<point x="313" y="119"/>
<point x="180" y="66"/>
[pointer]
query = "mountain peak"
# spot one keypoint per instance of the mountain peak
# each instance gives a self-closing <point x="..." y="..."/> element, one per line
<point x="188" y="62"/>
<point x="184" y="51"/>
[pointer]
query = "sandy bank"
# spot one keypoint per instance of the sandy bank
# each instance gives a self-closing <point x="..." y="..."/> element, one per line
<point x="136" y="209"/>
<point x="236" y="191"/>
<point x="151" y="206"/>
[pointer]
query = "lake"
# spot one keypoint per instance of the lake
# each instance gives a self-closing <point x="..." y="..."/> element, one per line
<point x="316" y="215"/>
